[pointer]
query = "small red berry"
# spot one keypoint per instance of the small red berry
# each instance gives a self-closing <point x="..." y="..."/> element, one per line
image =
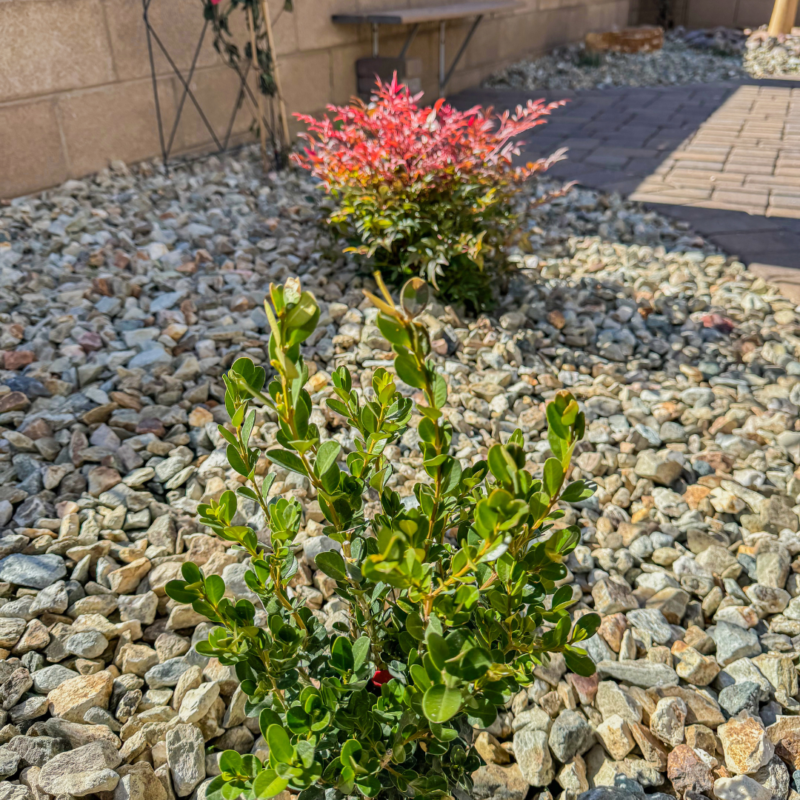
<point x="381" y="676"/>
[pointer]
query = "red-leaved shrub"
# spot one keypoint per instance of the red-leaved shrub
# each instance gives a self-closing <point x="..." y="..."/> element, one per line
<point x="424" y="190"/>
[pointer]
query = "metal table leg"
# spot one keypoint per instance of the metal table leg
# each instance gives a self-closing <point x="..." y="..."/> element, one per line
<point x="442" y="61"/>
<point x="410" y="38"/>
<point x="443" y="82"/>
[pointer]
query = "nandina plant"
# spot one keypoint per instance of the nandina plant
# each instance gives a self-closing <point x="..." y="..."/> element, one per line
<point x="424" y="191"/>
<point x="453" y="598"/>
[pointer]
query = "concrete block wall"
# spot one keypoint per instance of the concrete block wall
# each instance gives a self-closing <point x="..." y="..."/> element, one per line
<point x="708" y="13"/>
<point x="76" y="91"/>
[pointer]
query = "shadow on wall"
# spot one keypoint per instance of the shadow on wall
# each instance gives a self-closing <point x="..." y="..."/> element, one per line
<point x="704" y="13"/>
<point x="725" y="158"/>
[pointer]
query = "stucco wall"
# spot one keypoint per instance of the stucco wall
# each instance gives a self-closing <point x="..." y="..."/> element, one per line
<point x="75" y="88"/>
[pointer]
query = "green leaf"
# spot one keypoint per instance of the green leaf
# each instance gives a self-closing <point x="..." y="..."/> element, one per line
<point x="215" y="588"/>
<point x="191" y="572"/>
<point x="414" y="296"/>
<point x="342" y="654"/>
<point x="266" y="718"/>
<point x="268" y="784"/>
<point x="475" y="663"/>
<point x="409" y="372"/>
<point x="393" y="331"/>
<point x="578" y="661"/>
<point x="332" y="564"/>
<point x="301" y="321"/>
<point x="326" y="456"/>
<point x="230" y="761"/>
<point x="553" y="475"/>
<point x="439" y="391"/>
<point x="247" y="428"/>
<point x="227" y="506"/>
<point x="554" y="422"/>
<point x="576" y="491"/>
<point x="227" y="435"/>
<point x="177" y="591"/>
<point x="360" y="652"/>
<point x="214" y="789"/>
<point x="562" y="596"/>
<point x="437" y="648"/>
<point x="369" y="786"/>
<point x="266" y="484"/>
<point x="441" y="704"/>
<point x="415" y="626"/>
<point x="236" y="461"/>
<point x="501" y="464"/>
<point x="287" y="459"/>
<point x="586" y="627"/>
<point x="350" y="749"/>
<point x="280" y="748"/>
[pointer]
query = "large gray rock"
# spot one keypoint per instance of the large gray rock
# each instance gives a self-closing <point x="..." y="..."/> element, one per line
<point x="35" y="572"/>
<point x="570" y="736"/>
<point x="533" y="756"/>
<point x="734" y="642"/>
<point x="85" y="770"/>
<point x="639" y="673"/>
<point x="186" y="758"/>
<point x="36" y="751"/>
<point x="166" y="675"/>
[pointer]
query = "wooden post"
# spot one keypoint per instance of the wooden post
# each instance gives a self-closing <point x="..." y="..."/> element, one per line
<point x="783" y="16"/>
<point x="262" y="131"/>
<point x="275" y="73"/>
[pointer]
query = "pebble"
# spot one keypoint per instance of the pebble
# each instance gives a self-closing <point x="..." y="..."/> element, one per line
<point x="767" y="55"/>
<point x="683" y="60"/>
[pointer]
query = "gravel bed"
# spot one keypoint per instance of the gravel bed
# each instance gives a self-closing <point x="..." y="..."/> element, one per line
<point x="704" y="60"/>
<point x="766" y="55"/>
<point x="123" y="298"/>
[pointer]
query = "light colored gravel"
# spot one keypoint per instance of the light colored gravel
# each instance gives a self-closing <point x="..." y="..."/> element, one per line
<point x="571" y="68"/>
<point x="124" y="297"/>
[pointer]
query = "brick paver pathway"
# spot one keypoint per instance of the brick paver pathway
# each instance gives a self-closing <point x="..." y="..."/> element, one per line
<point x="724" y="157"/>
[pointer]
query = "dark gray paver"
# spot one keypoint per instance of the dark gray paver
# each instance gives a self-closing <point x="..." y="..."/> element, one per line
<point x="723" y="157"/>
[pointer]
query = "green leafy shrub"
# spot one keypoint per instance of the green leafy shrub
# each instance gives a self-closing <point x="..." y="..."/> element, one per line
<point x="425" y="191"/>
<point x="453" y="599"/>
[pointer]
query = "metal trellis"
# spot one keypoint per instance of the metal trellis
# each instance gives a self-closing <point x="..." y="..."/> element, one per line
<point x="244" y="89"/>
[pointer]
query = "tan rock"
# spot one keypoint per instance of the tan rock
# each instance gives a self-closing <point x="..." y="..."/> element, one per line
<point x="189" y="680"/>
<point x="688" y="771"/>
<point x="784" y="734"/>
<point x="653" y="751"/>
<point x="139" y="782"/>
<point x="572" y="777"/>
<point x="73" y="698"/>
<point x="136" y="659"/>
<point x="702" y="709"/>
<point x="199" y="417"/>
<point x="496" y="781"/>
<point x="746" y="745"/>
<point x="615" y="735"/>
<point x="667" y="723"/>
<point x="125" y="579"/>
<point x="696" y="668"/>
<point x="702" y="738"/>
<point x="490" y="750"/>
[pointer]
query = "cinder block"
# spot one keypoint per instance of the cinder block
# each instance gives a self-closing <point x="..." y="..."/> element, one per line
<point x="367" y="85"/>
<point x="385" y="66"/>
<point x="30" y="148"/>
